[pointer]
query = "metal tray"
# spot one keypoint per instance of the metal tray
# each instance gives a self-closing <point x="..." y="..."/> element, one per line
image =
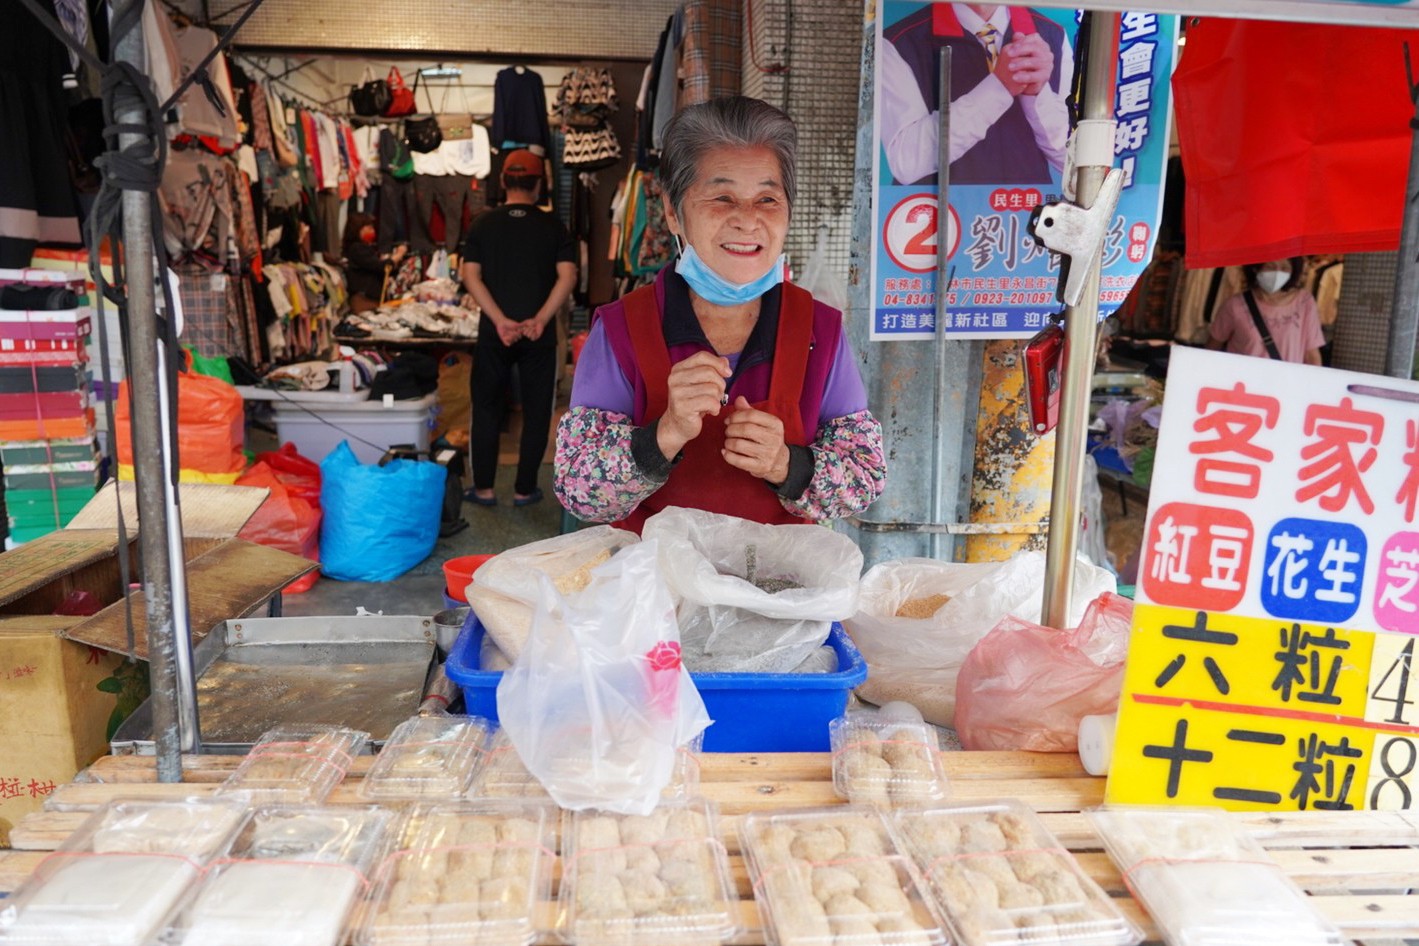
<point x="367" y="673"/>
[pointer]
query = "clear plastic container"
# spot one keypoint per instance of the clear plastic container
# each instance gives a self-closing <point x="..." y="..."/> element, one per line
<point x="296" y="765"/>
<point x="427" y="758"/>
<point x="293" y="877"/>
<point x="1001" y="877"/>
<point x="879" y="760"/>
<point x="646" y="880"/>
<point x="835" y="877"/>
<point x="1206" y="883"/>
<point x="503" y="774"/>
<point x="465" y="872"/>
<point x="116" y="877"/>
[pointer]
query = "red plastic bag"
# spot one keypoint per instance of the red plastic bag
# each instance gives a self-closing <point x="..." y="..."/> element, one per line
<point x="300" y="475"/>
<point x="1026" y="687"/>
<point x="284" y="521"/>
<point x="210" y="425"/>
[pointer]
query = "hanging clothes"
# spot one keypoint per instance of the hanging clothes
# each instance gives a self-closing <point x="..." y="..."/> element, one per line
<point x="208" y="108"/>
<point x="36" y="199"/>
<point x="711" y="58"/>
<point x="586" y="100"/>
<point x="520" y="110"/>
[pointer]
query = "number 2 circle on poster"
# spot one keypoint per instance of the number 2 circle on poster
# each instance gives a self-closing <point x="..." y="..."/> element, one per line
<point x="911" y="233"/>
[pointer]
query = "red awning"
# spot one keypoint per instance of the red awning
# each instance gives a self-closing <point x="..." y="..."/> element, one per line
<point x="1295" y="139"/>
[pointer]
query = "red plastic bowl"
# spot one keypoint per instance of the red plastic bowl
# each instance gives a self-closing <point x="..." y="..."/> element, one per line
<point x="458" y="572"/>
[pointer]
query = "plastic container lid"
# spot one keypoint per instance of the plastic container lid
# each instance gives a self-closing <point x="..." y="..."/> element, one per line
<point x="834" y="877"/>
<point x="1000" y="876"/>
<point x="427" y="757"/>
<point x="646" y="880"/>
<point x="504" y="775"/>
<point x="115" y="878"/>
<point x="464" y="873"/>
<point x="884" y="761"/>
<point x="1205" y="883"/>
<point x="297" y="764"/>
<point x="294" y="877"/>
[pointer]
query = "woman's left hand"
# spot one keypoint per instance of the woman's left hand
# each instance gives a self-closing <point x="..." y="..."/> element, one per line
<point x="753" y="442"/>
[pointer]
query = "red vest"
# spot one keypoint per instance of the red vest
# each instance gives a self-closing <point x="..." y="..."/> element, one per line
<point x="702" y="479"/>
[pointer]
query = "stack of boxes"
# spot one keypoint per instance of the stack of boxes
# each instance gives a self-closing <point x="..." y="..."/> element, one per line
<point x="48" y="449"/>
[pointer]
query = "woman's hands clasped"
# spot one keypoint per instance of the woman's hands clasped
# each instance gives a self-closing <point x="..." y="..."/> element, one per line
<point x="753" y="439"/>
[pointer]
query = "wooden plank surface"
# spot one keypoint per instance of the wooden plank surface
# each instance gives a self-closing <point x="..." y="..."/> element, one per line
<point x="1357" y="867"/>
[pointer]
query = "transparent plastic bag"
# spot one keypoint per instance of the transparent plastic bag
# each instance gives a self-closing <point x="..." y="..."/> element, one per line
<point x="754" y="597"/>
<point x="508" y="586"/>
<point x="918" y="618"/>
<point x="1026" y="687"/>
<point x="598" y="701"/>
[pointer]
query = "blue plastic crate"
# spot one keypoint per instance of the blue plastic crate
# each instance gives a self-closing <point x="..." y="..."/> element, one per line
<point x="752" y="712"/>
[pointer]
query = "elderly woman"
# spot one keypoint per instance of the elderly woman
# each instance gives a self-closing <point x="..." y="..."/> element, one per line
<point x="721" y="387"/>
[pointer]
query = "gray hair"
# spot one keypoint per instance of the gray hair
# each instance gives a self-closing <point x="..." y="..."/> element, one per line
<point x="730" y="121"/>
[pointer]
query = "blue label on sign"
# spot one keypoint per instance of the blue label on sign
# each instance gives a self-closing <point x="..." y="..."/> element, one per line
<point x="1314" y="571"/>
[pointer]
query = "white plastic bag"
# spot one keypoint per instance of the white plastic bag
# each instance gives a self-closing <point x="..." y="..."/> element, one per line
<point x="754" y="597"/>
<point x="507" y="587"/>
<point x="598" y="702"/>
<point x="917" y="659"/>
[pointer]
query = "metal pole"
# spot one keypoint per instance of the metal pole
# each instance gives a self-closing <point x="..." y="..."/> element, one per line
<point x="148" y="428"/>
<point x="189" y="728"/>
<point x="1404" y="317"/>
<point x="943" y="273"/>
<point x="1094" y="158"/>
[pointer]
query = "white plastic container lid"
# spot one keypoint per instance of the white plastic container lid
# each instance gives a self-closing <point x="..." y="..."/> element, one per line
<point x="885" y="761"/>
<point x="295" y="764"/>
<point x="428" y="758"/>
<point x="646" y="880"/>
<point x="116" y="877"/>
<point x="1205" y="882"/>
<point x="835" y="877"/>
<point x="464" y="872"/>
<point x="1000" y="876"/>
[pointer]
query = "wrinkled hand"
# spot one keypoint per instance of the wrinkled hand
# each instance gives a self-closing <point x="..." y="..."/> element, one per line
<point x="1026" y="64"/>
<point x="753" y="442"/>
<point x="696" y="388"/>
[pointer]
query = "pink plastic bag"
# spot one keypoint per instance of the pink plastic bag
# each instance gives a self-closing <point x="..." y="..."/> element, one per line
<point x="1026" y="687"/>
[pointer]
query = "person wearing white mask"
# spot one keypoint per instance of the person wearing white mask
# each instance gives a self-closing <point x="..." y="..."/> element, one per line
<point x="722" y="386"/>
<point x="1273" y="318"/>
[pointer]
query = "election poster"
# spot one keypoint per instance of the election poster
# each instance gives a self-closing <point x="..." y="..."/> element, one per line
<point x="1010" y="118"/>
<point x="1271" y="664"/>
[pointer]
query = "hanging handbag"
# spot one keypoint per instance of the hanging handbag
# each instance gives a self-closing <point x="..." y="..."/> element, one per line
<point x="401" y="97"/>
<point x="591" y="150"/>
<point x="371" y="97"/>
<point x="423" y="133"/>
<point x="455" y="126"/>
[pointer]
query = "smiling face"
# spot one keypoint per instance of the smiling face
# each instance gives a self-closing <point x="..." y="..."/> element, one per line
<point x="735" y="214"/>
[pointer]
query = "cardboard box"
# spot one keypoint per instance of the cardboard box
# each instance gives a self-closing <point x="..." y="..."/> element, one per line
<point x="59" y="699"/>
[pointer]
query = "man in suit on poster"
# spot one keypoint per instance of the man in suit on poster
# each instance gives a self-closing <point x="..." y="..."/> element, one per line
<point x="1010" y="71"/>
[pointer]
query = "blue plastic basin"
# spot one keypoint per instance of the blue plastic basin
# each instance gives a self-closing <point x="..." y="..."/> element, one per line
<point x="752" y="712"/>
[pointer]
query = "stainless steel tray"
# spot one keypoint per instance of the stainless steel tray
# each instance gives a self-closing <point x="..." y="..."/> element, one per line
<point x="366" y="673"/>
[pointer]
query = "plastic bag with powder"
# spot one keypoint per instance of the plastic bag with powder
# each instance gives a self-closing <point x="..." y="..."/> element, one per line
<point x="507" y="587"/>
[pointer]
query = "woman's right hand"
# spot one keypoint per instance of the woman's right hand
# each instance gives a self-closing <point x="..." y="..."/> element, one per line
<point x="696" y="388"/>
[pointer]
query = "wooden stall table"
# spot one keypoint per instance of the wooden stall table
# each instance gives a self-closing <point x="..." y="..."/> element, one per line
<point x="1357" y="867"/>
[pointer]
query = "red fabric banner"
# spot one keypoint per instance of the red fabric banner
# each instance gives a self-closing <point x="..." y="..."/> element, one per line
<point x="1295" y="139"/>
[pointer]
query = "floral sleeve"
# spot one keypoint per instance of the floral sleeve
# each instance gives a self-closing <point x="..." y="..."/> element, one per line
<point x="596" y="476"/>
<point x="849" y="469"/>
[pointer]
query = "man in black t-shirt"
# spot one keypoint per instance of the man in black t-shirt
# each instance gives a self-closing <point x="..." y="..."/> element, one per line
<point x="519" y="265"/>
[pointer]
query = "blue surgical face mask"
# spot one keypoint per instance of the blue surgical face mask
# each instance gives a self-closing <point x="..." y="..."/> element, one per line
<point x="714" y="288"/>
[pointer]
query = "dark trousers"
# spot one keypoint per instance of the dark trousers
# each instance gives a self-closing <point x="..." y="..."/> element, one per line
<point x="451" y="192"/>
<point x="492" y="369"/>
<point x="398" y="214"/>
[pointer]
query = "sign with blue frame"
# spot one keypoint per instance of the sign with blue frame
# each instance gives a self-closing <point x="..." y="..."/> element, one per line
<point x="1011" y="75"/>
